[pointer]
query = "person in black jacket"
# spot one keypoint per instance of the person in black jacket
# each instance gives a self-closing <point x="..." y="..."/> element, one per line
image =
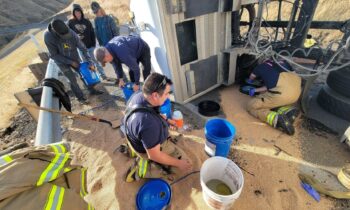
<point x="63" y="45"/>
<point x="83" y="27"/>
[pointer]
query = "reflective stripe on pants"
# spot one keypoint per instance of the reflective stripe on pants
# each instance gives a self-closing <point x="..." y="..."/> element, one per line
<point x="143" y="163"/>
<point x="55" y="198"/>
<point x="271" y="118"/>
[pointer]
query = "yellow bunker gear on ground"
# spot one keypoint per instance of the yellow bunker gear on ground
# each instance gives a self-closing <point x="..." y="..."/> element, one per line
<point x="42" y="178"/>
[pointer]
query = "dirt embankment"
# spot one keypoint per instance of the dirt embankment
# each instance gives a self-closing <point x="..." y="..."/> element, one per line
<point x="15" y="13"/>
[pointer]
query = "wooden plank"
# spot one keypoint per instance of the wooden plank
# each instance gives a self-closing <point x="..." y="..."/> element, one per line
<point x="44" y="57"/>
<point x="39" y="70"/>
<point x="24" y="97"/>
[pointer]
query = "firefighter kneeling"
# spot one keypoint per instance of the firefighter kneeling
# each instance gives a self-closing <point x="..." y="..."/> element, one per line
<point x="282" y="88"/>
<point x="147" y="133"/>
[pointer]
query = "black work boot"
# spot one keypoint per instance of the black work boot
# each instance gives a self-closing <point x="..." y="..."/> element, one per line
<point x="283" y="123"/>
<point x="292" y="114"/>
<point x="290" y="111"/>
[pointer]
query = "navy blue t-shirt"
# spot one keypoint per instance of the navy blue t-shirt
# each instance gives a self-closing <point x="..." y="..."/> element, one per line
<point x="127" y="50"/>
<point x="145" y="129"/>
<point x="269" y="72"/>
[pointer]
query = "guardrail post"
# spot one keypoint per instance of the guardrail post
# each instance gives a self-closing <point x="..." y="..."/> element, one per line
<point x="49" y="129"/>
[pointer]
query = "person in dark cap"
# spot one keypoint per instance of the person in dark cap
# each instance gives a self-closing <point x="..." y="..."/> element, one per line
<point x="62" y="44"/>
<point x="83" y="27"/>
<point x="130" y="50"/>
<point x="105" y="26"/>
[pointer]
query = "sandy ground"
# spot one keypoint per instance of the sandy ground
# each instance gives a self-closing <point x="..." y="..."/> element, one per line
<point x="270" y="160"/>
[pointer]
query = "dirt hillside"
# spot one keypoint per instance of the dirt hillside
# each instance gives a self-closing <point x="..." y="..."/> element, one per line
<point x="14" y="74"/>
<point x="14" y="13"/>
<point x="17" y="12"/>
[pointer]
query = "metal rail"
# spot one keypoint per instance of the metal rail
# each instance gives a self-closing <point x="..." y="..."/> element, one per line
<point x="49" y="128"/>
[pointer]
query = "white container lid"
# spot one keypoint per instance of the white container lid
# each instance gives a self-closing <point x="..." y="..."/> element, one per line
<point x="177" y="115"/>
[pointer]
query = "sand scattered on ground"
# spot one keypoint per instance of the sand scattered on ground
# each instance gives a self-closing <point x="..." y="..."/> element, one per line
<point x="271" y="180"/>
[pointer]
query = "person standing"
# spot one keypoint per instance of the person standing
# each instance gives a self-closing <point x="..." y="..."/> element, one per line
<point x="105" y="25"/>
<point x="130" y="50"/>
<point x="83" y="27"/>
<point x="62" y="44"/>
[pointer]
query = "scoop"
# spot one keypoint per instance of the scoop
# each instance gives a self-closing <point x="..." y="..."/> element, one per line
<point x="114" y="124"/>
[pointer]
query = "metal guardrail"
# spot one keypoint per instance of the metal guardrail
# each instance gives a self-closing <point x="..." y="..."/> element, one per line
<point x="49" y="128"/>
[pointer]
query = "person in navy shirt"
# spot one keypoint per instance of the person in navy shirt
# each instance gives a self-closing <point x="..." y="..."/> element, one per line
<point x="129" y="50"/>
<point x="282" y="87"/>
<point x="147" y="132"/>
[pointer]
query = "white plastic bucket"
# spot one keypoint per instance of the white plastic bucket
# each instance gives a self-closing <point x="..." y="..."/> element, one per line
<point x="226" y="171"/>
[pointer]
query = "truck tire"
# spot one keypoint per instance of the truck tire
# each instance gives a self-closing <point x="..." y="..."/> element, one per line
<point x="339" y="81"/>
<point x="334" y="103"/>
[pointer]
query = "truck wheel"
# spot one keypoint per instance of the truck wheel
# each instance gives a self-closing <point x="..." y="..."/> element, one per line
<point x="339" y="81"/>
<point x="334" y="103"/>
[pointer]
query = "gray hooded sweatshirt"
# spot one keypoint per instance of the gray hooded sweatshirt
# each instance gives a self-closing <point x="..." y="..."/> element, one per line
<point x="64" y="51"/>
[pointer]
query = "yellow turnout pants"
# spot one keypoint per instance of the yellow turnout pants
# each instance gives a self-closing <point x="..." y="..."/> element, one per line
<point x="288" y="88"/>
<point x="146" y="168"/>
<point x="42" y="178"/>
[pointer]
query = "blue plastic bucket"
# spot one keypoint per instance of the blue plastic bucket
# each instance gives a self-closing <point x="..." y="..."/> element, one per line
<point x="219" y="134"/>
<point x="166" y="108"/>
<point x="128" y="90"/>
<point x="89" y="77"/>
<point x="154" y="194"/>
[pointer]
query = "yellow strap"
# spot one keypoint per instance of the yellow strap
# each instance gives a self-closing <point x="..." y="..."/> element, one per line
<point x="5" y="159"/>
<point x="53" y="169"/>
<point x="344" y="177"/>
<point x="83" y="192"/>
<point x="55" y="198"/>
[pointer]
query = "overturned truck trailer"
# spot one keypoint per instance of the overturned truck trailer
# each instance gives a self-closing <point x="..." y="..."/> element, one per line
<point x="190" y="42"/>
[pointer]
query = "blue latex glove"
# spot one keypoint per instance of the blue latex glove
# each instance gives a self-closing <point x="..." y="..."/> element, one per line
<point x="252" y="91"/>
<point x="311" y="191"/>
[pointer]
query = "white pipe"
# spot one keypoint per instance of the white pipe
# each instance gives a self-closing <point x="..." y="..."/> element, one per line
<point x="48" y="129"/>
